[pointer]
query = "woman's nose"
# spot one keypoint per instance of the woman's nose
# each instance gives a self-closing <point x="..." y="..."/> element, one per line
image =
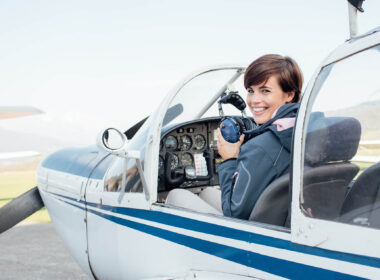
<point x="253" y="99"/>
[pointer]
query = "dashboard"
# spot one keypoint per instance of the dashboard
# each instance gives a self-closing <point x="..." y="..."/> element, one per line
<point x="189" y="155"/>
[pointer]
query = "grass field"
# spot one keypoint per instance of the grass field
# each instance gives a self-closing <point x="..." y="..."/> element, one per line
<point x="14" y="183"/>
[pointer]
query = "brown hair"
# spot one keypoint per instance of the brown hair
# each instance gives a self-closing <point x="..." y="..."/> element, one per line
<point x="285" y="68"/>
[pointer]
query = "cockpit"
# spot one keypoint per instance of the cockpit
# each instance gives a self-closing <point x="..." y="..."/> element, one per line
<point x="189" y="156"/>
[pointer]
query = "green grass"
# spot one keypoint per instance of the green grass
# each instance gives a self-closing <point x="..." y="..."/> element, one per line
<point x="363" y="166"/>
<point x="13" y="184"/>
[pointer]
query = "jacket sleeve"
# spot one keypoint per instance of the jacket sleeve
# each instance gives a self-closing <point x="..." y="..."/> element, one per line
<point x="243" y="180"/>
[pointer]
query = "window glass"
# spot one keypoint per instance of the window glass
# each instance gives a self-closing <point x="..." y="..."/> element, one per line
<point x="228" y="109"/>
<point x="341" y="174"/>
<point x="114" y="177"/>
<point x="196" y="95"/>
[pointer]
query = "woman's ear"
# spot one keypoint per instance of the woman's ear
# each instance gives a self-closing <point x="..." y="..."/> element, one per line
<point x="290" y="96"/>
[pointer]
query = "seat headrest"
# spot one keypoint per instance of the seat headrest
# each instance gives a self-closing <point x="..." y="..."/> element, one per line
<point x="331" y="139"/>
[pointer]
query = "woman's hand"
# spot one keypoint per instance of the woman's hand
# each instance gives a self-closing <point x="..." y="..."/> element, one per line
<point x="228" y="150"/>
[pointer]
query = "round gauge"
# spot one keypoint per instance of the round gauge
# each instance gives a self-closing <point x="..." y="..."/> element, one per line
<point x="186" y="159"/>
<point x="160" y="164"/>
<point x="185" y="142"/>
<point x="200" y="142"/>
<point x="171" y="143"/>
<point x="174" y="162"/>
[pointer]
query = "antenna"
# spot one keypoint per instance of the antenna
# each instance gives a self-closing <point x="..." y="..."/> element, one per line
<point x="353" y="7"/>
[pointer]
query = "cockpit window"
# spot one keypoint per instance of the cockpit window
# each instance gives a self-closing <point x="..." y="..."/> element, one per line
<point x="132" y="181"/>
<point x="116" y="180"/>
<point x="228" y="109"/>
<point x="341" y="171"/>
<point x="196" y="97"/>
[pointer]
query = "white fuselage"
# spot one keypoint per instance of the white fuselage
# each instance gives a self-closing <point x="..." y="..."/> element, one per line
<point x="127" y="243"/>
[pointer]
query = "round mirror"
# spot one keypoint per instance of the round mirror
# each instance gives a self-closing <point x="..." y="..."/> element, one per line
<point x="113" y="139"/>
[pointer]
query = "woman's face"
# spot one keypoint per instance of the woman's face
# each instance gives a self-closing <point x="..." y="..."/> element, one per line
<point x="264" y="99"/>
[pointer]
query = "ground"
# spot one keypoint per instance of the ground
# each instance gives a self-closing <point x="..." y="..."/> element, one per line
<point x="32" y="249"/>
<point x="35" y="251"/>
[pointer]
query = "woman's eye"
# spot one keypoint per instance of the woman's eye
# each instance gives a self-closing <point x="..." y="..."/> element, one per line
<point x="249" y="90"/>
<point x="266" y="91"/>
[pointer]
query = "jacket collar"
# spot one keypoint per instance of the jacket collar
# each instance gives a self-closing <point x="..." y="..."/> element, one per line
<point x="286" y="110"/>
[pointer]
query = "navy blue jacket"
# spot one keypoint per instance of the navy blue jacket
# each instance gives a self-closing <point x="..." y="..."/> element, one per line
<point x="261" y="160"/>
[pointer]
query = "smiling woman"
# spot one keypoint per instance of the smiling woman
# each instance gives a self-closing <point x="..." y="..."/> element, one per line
<point x="271" y="81"/>
<point x="264" y="99"/>
<point x="274" y="86"/>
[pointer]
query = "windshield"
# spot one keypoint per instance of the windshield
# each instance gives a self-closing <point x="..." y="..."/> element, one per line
<point x="197" y="97"/>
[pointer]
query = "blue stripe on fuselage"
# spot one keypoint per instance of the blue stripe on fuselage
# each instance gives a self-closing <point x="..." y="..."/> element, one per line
<point x="280" y="267"/>
<point x="218" y="230"/>
<point x="204" y="227"/>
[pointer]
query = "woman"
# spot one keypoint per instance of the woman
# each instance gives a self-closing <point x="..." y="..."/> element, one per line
<point x="274" y="86"/>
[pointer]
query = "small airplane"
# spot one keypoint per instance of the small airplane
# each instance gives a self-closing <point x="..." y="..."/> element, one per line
<point x="321" y="221"/>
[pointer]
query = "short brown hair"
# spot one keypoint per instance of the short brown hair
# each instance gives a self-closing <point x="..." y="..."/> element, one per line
<point x="285" y="68"/>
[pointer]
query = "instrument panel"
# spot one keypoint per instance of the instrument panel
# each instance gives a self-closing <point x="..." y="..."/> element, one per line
<point x="192" y="144"/>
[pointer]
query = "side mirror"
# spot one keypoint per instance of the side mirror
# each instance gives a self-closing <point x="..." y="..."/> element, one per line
<point x="112" y="140"/>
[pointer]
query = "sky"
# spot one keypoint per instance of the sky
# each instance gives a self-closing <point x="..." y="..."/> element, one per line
<point x="91" y="64"/>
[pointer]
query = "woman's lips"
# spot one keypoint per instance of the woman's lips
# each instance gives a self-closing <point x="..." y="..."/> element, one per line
<point x="259" y="111"/>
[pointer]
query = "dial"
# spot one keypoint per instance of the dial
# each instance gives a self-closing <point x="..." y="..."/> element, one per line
<point x="185" y="143"/>
<point x="186" y="159"/>
<point x="174" y="162"/>
<point x="200" y="142"/>
<point x="171" y="143"/>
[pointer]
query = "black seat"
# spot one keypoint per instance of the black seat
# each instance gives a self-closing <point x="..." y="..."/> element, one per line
<point x="327" y="173"/>
<point x="272" y="205"/>
<point x="324" y="188"/>
<point x="362" y="204"/>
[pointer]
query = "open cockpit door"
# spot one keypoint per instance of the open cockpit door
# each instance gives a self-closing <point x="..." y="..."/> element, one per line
<point x="335" y="179"/>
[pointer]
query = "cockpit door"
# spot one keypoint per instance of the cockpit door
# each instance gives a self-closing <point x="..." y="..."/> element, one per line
<point x="336" y="143"/>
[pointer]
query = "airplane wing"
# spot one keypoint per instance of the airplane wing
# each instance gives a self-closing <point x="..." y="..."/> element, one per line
<point x="7" y="112"/>
<point x="15" y="155"/>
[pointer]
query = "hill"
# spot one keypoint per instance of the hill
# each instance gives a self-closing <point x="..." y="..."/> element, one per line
<point x="12" y="141"/>
<point x="368" y="114"/>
